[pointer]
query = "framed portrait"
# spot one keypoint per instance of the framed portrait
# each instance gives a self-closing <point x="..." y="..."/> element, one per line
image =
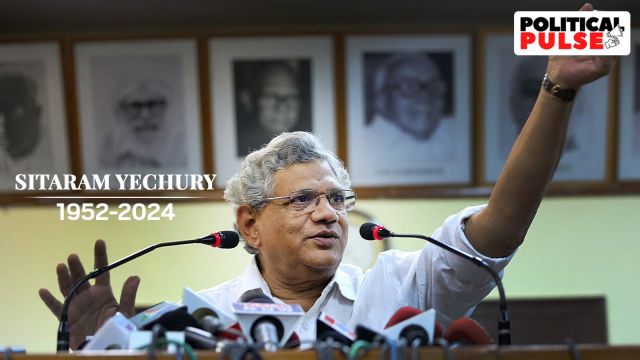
<point x="139" y="106"/>
<point x="262" y="86"/>
<point x="629" y="113"/>
<point x="510" y="87"/>
<point x="408" y="110"/>
<point x="33" y="125"/>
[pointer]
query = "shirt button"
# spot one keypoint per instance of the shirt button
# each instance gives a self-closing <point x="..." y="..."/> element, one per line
<point x="305" y="326"/>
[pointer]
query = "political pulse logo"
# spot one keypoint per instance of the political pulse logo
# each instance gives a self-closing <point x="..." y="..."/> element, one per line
<point x="572" y="33"/>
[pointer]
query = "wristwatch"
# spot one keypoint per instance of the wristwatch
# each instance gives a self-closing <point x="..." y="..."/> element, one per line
<point x="557" y="91"/>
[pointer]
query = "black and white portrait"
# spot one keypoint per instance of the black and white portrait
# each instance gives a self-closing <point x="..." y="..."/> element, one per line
<point x="262" y="86"/>
<point x="30" y="110"/>
<point x="410" y="91"/>
<point x="136" y="110"/>
<point x="511" y="86"/>
<point x="629" y="113"/>
<point x="271" y="96"/>
<point x="411" y="124"/>
<point x="636" y="102"/>
<point x="139" y="120"/>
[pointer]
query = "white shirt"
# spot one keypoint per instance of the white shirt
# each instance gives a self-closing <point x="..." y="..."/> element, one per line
<point x="425" y="279"/>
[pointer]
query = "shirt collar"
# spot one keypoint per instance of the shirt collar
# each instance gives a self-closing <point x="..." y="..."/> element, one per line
<point x="345" y="283"/>
<point x="251" y="279"/>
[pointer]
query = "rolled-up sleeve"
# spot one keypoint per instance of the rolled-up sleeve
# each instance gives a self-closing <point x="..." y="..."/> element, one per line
<point x="454" y="285"/>
<point x="431" y="278"/>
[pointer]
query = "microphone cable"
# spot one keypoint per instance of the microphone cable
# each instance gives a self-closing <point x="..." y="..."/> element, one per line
<point x="360" y="348"/>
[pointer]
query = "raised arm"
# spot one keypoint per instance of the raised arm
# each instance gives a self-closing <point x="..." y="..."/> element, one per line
<point x="501" y="227"/>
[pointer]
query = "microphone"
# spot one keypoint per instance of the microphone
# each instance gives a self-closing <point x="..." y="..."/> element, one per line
<point x="113" y="334"/>
<point x="266" y="331"/>
<point x="152" y="313"/>
<point x="201" y="308"/>
<point x="208" y="320"/>
<point x="222" y="239"/>
<point x="417" y="327"/>
<point x="267" y="324"/>
<point x="181" y="320"/>
<point x="214" y="324"/>
<point x="370" y="231"/>
<point x="255" y="296"/>
<point x="369" y="335"/>
<point x="466" y="331"/>
<point x="175" y="320"/>
<point x="329" y="328"/>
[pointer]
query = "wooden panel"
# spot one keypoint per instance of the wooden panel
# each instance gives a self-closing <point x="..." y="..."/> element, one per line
<point x="549" y="321"/>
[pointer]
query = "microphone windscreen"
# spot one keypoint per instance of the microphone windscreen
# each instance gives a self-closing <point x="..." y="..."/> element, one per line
<point x="255" y="296"/>
<point x="232" y="333"/>
<point x="468" y="332"/>
<point x="176" y="320"/>
<point x="366" y="231"/>
<point x="230" y="239"/>
<point x="402" y="314"/>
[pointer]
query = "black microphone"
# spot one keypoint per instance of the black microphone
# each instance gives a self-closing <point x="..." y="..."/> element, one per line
<point x="180" y="320"/>
<point x="329" y="328"/>
<point x="208" y="320"/>
<point x="370" y="231"/>
<point x="255" y="296"/>
<point x="174" y="320"/>
<point x="222" y="239"/>
<point x="266" y="330"/>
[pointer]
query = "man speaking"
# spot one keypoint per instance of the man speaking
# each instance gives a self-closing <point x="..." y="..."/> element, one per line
<point x="291" y="200"/>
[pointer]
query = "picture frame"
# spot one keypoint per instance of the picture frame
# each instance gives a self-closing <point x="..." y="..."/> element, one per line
<point x="629" y="113"/>
<point x="264" y="85"/>
<point x="33" y="126"/>
<point x="139" y="106"/>
<point x="510" y="86"/>
<point x="409" y="117"/>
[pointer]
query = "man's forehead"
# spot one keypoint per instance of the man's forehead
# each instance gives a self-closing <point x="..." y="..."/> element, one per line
<point x="308" y="175"/>
<point x="279" y="77"/>
<point x="143" y="94"/>
<point x="415" y="67"/>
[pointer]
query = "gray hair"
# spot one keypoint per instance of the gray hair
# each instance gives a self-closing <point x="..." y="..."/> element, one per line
<point x="254" y="182"/>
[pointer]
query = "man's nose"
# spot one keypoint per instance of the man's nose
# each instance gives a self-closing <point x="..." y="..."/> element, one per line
<point x="323" y="211"/>
<point x="145" y="112"/>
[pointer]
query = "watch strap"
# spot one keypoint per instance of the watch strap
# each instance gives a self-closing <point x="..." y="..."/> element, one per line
<point x="557" y="91"/>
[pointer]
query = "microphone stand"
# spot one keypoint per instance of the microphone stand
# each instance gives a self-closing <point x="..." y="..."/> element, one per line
<point x="504" y="326"/>
<point x="63" y="328"/>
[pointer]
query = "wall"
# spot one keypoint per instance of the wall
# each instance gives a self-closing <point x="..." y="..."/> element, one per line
<point x="576" y="246"/>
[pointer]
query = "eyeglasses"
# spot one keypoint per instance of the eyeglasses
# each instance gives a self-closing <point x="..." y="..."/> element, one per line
<point x="133" y="109"/>
<point x="274" y="100"/>
<point x="410" y="88"/>
<point x="340" y="200"/>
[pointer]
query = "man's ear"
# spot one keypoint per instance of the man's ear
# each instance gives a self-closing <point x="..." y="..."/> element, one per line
<point x="246" y="220"/>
